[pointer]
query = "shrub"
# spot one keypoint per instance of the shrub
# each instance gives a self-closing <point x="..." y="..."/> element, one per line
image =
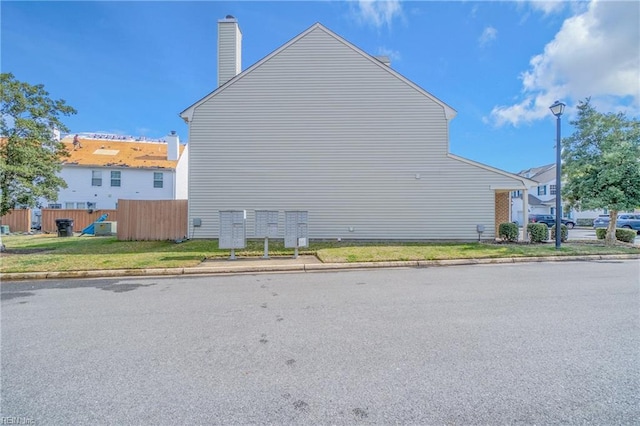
<point x="564" y="233"/>
<point x="508" y="231"/>
<point x="584" y="222"/>
<point x="624" y="235"/>
<point x="538" y="232"/>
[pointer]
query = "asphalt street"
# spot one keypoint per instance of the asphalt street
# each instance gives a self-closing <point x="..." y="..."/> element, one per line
<point x="532" y="343"/>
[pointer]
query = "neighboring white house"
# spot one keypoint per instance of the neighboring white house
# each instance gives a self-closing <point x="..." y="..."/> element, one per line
<point x="104" y="168"/>
<point x="542" y="199"/>
<point x="321" y="126"/>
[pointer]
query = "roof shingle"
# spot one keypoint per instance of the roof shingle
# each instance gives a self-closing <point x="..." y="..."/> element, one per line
<point x="109" y="153"/>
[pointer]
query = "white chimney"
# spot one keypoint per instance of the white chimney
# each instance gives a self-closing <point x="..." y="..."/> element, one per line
<point x="173" y="146"/>
<point x="229" y="49"/>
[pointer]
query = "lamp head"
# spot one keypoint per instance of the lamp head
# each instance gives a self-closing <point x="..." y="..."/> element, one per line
<point x="557" y="108"/>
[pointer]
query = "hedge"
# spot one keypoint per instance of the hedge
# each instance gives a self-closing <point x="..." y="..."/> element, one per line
<point x="508" y="231"/>
<point x="538" y="232"/>
<point x="584" y="222"/>
<point x="622" y="234"/>
<point x="564" y="233"/>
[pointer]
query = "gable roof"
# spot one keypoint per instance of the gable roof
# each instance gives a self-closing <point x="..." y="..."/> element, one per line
<point x="450" y="113"/>
<point x="114" y="153"/>
<point x="539" y="174"/>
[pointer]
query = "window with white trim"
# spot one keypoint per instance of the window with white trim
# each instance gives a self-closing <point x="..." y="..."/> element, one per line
<point x="69" y="205"/>
<point x="54" y="206"/>
<point x="96" y="178"/>
<point x="158" y="180"/>
<point x="115" y="178"/>
<point x="542" y="190"/>
<point x="552" y="189"/>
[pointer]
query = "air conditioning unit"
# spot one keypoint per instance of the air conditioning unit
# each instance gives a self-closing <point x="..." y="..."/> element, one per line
<point x="106" y="228"/>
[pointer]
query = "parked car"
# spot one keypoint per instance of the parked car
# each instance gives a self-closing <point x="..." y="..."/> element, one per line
<point x="550" y="220"/>
<point x="624" y="220"/>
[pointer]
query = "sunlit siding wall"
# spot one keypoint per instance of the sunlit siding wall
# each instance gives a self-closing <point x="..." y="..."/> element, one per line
<point x="319" y="127"/>
<point x="134" y="184"/>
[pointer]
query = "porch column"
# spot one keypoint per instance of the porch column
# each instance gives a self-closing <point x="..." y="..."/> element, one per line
<point x="525" y="213"/>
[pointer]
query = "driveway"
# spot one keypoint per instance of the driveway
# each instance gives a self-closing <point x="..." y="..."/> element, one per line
<point x="535" y="343"/>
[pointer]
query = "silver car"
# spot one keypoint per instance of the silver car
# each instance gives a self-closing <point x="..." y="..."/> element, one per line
<point x="625" y="220"/>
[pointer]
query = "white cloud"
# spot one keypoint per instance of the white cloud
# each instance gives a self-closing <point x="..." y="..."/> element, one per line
<point x="547" y="7"/>
<point x="488" y="35"/>
<point x="378" y="12"/>
<point x="393" y="55"/>
<point x="595" y="54"/>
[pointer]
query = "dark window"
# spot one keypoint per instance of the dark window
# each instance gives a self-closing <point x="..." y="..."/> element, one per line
<point x="542" y="190"/>
<point x="552" y="189"/>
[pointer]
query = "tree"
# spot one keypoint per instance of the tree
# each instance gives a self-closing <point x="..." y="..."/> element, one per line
<point x="601" y="163"/>
<point x="30" y="155"/>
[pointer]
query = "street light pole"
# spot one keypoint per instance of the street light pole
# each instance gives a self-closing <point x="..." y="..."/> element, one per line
<point x="557" y="109"/>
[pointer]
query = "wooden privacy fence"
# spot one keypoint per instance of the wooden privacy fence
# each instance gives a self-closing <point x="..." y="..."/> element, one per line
<point x="18" y="220"/>
<point x="152" y="219"/>
<point x="81" y="218"/>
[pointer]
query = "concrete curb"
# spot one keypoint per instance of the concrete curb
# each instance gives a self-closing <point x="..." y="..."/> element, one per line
<point x="300" y="267"/>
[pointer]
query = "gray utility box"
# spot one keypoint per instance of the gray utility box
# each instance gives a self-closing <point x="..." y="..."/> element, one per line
<point x="233" y="232"/>
<point x="266" y="223"/>
<point x="296" y="232"/>
<point x="105" y="228"/>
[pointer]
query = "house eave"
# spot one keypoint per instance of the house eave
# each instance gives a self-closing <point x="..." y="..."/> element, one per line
<point x="525" y="183"/>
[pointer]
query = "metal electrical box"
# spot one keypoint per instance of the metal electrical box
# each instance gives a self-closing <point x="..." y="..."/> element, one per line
<point x="233" y="232"/>
<point x="296" y="233"/>
<point x="266" y="223"/>
<point x="105" y="228"/>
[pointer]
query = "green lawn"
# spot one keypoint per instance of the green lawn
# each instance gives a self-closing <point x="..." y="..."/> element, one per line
<point x="45" y="253"/>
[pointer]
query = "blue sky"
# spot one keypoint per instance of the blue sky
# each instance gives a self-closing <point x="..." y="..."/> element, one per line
<point x="132" y="67"/>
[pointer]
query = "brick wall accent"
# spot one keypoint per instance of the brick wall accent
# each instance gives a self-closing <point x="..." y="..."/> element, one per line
<point x="502" y="208"/>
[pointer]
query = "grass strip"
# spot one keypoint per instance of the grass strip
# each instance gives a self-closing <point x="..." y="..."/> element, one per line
<point x="48" y="253"/>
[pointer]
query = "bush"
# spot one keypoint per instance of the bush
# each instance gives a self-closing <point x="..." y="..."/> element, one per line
<point x="538" y="232"/>
<point x="622" y="234"/>
<point x="584" y="222"/>
<point x="564" y="233"/>
<point x="625" y="235"/>
<point x="508" y="231"/>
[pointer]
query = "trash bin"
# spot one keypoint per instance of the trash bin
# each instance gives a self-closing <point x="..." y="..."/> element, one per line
<point x="4" y="229"/>
<point x="65" y="227"/>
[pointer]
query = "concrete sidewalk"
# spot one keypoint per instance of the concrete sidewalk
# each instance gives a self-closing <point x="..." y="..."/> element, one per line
<point x="251" y="265"/>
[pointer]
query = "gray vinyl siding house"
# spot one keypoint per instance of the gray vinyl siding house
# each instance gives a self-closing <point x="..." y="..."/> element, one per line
<point x="319" y="125"/>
